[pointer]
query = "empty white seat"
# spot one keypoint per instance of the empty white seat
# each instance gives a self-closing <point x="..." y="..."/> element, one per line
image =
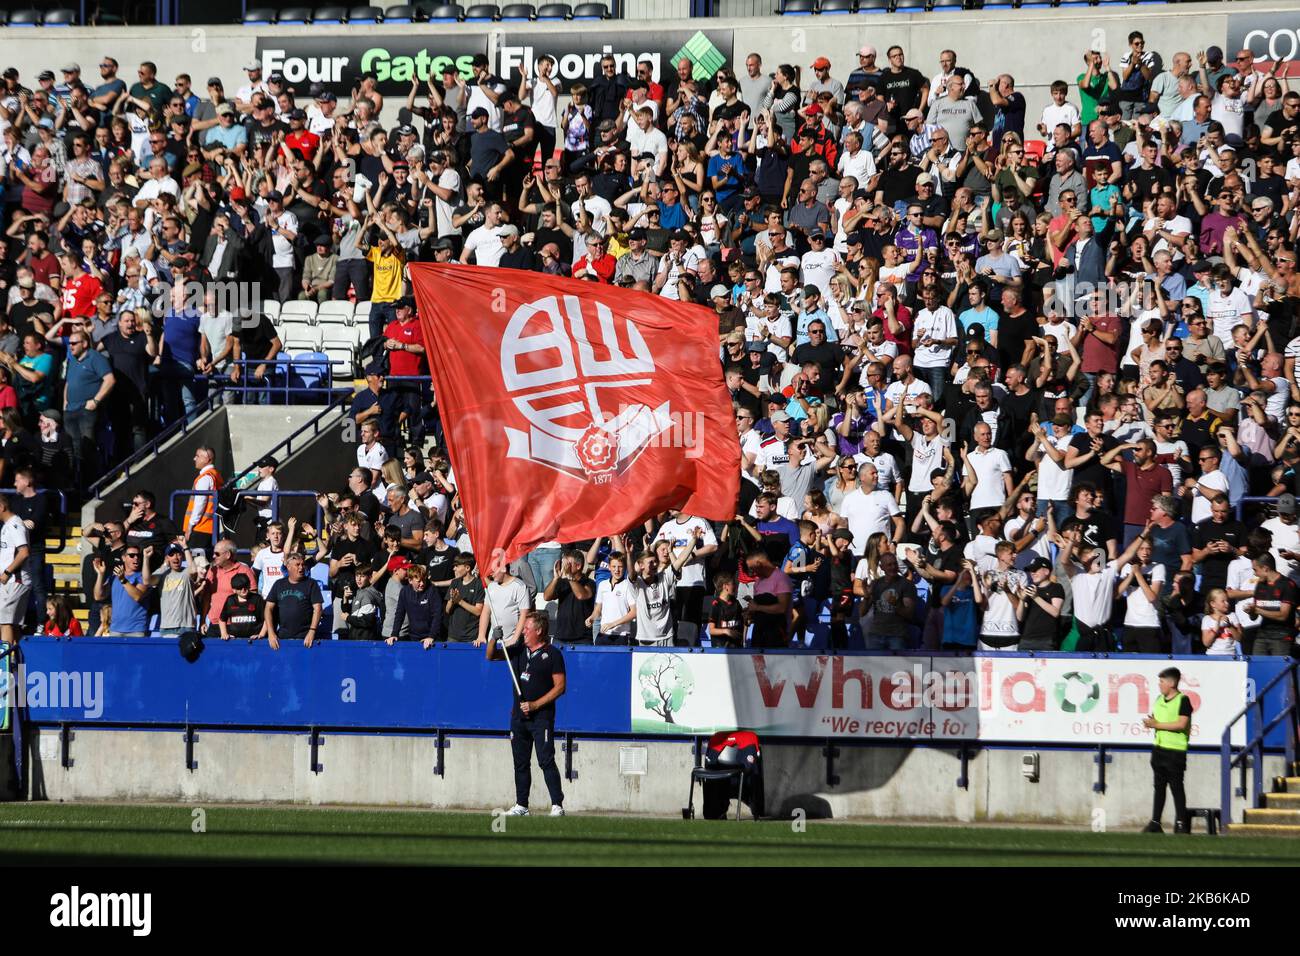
<point x="361" y="314"/>
<point x="305" y="309"/>
<point x="335" y="313"/>
<point x="272" y="310"/>
<point x="298" y="336"/>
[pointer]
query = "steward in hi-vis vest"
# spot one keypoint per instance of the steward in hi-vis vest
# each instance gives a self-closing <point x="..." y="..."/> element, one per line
<point x="1171" y="719"/>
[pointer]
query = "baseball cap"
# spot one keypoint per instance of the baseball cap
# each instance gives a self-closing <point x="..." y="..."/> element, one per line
<point x="56" y="416"/>
<point x="240" y="581"/>
<point x="406" y="129"/>
<point x="924" y="178"/>
<point x="913" y="114"/>
<point x="755" y="347"/>
<point x="175" y="548"/>
<point x="811" y="291"/>
<point x="853" y="239"/>
<point x="1286" y="504"/>
<point x="821" y="63"/>
<point x="507" y="230"/>
<point x="480" y="59"/>
<point x="275" y="196"/>
<point x="719" y="290"/>
<point x="405" y="302"/>
<point x="276" y="77"/>
<point x="817" y="234"/>
<point x="606" y="126"/>
<point x="253" y="65"/>
<point x="1039" y="564"/>
<point x="1062" y="419"/>
<point x="778" y="417"/>
<point x="225" y="109"/>
<point x="45" y="75"/>
<point x="867" y="50"/>
<point x="328" y="97"/>
<point x="813" y="110"/>
<point x="421" y="478"/>
<point x="750" y="193"/>
<point x="71" y="68"/>
<point x="238" y="195"/>
<point x="297" y="114"/>
<point x="443" y="243"/>
<point x="399" y="562"/>
<point x="267" y="461"/>
<point x="1148" y="109"/>
<point x="637" y="233"/>
<point x="994" y="235"/>
<point x="842" y="534"/>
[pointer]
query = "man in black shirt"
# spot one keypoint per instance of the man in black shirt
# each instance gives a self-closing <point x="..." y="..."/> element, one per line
<point x="1041" y="603"/>
<point x="145" y="527"/>
<point x="576" y="594"/>
<point x="1096" y="527"/>
<point x="539" y="680"/>
<point x="1216" y="542"/>
<point x="293" y="607"/>
<point x="465" y="600"/>
<point x="1086" y="450"/>
<point x="1274" y="603"/>
<point x="255" y="343"/>
<point x="129" y="353"/>
<point x="489" y="155"/>
<point x="348" y="552"/>
<point x="32" y="506"/>
<point x="902" y="87"/>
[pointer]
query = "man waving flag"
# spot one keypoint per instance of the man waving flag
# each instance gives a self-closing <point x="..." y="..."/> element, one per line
<point x="574" y="409"/>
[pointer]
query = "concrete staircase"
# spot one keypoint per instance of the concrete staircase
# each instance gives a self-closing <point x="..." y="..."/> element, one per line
<point x="66" y="565"/>
<point x="1280" y="814"/>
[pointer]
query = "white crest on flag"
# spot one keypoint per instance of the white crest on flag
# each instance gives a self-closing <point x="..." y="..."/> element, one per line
<point x="557" y="382"/>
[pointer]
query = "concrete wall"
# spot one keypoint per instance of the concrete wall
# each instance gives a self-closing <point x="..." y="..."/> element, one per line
<point x="875" y="783"/>
<point x="1035" y="46"/>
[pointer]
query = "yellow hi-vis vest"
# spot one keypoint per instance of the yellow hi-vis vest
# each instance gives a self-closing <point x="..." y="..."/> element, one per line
<point x="1166" y="712"/>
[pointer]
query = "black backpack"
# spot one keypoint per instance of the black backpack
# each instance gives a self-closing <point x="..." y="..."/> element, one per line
<point x="373" y="355"/>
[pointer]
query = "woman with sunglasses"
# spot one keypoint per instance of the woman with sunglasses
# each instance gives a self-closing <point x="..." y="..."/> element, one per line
<point x="714" y="227"/>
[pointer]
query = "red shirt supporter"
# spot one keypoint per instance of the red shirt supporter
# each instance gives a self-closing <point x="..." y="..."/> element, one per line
<point x="603" y="266"/>
<point x="218" y="578"/>
<point x="1141" y="485"/>
<point x="79" y="294"/>
<point x="1098" y="354"/>
<point x="401" y="360"/>
<point x="305" y="141"/>
<point x="43" y="266"/>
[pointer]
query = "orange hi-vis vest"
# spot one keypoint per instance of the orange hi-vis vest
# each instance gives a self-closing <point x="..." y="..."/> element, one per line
<point x="199" y="510"/>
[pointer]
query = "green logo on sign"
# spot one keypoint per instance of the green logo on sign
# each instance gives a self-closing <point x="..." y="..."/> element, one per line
<point x="1077" y="693"/>
<point x="666" y="681"/>
<point x="706" y="58"/>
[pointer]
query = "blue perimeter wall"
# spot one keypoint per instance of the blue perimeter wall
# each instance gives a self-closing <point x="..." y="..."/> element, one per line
<point x="453" y="687"/>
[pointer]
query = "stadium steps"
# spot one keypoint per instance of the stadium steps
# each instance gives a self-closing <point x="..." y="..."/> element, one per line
<point x="1280" y="814"/>
<point x="66" y="567"/>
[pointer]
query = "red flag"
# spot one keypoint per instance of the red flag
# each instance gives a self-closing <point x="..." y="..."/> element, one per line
<point x="574" y="409"/>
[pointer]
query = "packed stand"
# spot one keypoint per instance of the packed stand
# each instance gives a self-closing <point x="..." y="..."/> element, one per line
<point x="1001" y="381"/>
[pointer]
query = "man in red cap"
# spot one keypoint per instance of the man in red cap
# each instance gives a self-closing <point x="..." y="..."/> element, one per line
<point x="823" y="83"/>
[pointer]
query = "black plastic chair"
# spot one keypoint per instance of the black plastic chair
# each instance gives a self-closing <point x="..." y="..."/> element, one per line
<point x="61" y="18"/>
<point x="327" y="15"/>
<point x="949" y="5"/>
<point x="448" y="11"/>
<point x="554" y="11"/>
<point x="482" y="13"/>
<point x="518" y="11"/>
<point x="873" y="6"/>
<point x="258" y="17"/>
<point x="838" y="6"/>
<point x="402" y="14"/>
<point x="910" y="6"/>
<point x="294" y="15"/>
<point x="797" y="8"/>
<point x="25" y="18"/>
<point x="366" y="15"/>
<point x="591" y="11"/>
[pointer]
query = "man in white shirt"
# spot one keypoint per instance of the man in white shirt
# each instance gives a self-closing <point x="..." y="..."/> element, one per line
<point x="933" y="337"/>
<point x="643" y="137"/>
<point x="507" y="602"/>
<point x="856" y="161"/>
<point x="1285" y="530"/>
<point x="654" y="590"/>
<point x="370" y="453"/>
<point x="988" y="481"/>
<point x="14" y="580"/>
<point x="597" y="207"/>
<point x="1205" y="489"/>
<point x="485" y="91"/>
<point x="678" y="261"/>
<point x="157" y="184"/>
<point x="255" y="84"/>
<point x="485" y="241"/>
<point x="869" y="509"/>
<point x="683" y="531"/>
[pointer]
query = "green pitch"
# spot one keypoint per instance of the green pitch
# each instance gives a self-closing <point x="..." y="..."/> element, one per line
<point x="105" y="833"/>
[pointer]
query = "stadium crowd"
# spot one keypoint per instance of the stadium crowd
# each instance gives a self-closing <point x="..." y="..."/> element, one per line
<point x="1000" y="380"/>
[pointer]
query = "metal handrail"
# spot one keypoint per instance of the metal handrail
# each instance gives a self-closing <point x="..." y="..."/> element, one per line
<point x="1253" y="500"/>
<point x="282" y="369"/>
<point x="63" y="512"/>
<point x="122" y="470"/>
<point x="1255" y="748"/>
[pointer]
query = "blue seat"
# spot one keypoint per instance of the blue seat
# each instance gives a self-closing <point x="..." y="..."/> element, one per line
<point x="554" y="11"/>
<point x="591" y="11"/>
<point x="309" y="371"/>
<point x="60" y="18"/>
<point x="366" y="15"/>
<point x="327" y="15"/>
<point x="797" y="8"/>
<point x="482" y="13"/>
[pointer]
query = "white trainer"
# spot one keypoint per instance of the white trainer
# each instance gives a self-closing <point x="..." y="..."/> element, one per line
<point x="557" y="810"/>
<point x="517" y="811"/>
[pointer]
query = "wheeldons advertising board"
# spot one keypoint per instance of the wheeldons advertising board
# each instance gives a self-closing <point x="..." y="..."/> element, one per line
<point x="337" y="62"/>
<point x="1005" y="699"/>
